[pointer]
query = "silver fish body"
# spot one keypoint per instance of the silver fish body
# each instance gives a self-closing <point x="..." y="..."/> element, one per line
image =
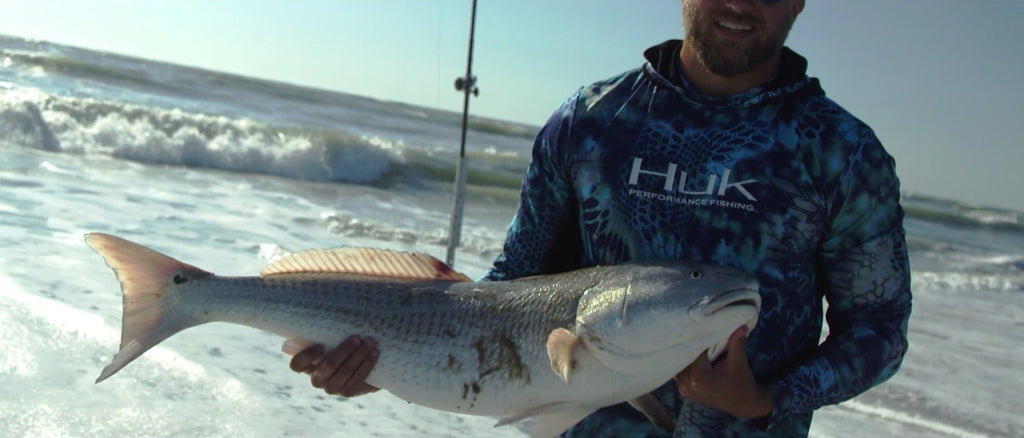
<point x="541" y="352"/>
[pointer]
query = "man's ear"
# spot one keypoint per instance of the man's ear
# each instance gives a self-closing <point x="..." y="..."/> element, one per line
<point x="798" y="6"/>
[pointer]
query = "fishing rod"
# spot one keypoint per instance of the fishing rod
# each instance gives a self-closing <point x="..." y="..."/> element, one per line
<point x="467" y="85"/>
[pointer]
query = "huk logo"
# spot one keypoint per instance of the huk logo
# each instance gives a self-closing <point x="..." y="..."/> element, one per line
<point x="675" y="181"/>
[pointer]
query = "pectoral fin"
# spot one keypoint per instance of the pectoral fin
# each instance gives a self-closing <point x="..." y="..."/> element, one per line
<point x="654" y="411"/>
<point x="547" y="421"/>
<point x="560" y="347"/>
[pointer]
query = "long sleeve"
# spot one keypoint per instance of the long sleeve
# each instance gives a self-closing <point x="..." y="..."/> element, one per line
<point x="543" y="236"/>
<point x="866" y="276"/>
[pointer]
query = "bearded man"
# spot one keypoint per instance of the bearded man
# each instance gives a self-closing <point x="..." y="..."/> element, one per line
<point x="719" y="149"/>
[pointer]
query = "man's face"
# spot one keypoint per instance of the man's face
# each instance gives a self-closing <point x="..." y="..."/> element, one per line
<point x="733" y="37"/>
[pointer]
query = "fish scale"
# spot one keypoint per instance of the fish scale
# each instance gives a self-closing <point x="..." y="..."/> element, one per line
<point x="541" y="352"/>
<point x="486" y="341"/>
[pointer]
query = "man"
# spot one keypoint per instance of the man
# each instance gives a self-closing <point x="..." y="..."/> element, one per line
<point x="721" y="150"/>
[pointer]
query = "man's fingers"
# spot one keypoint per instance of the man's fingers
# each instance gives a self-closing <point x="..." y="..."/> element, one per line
<point x="737" y="355"/>
<point x="729" y="385"/>
<point x="331" y="362"/>
<point x="341" y="371"/>
<point x="355" y="384"/>
<point x="304" y="361"/>
<point x="694" y="377"/>
<point x="739" y="339"/>
<point x="683" y="382"/>
<point x="347" y="370"/>
<point x="701" y="368"/>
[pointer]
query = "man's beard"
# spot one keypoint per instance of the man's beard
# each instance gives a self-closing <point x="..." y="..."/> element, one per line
<point x="729" y="58"/>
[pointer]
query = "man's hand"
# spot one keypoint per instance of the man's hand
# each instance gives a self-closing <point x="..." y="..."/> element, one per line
<point x="729" y="385"/>
<point x="341" y="371"/>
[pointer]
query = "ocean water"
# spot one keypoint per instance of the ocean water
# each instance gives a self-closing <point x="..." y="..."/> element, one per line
<point x="225" y="172"/>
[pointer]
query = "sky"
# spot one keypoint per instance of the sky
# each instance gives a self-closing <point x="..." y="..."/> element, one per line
<point x="938" y="80"/>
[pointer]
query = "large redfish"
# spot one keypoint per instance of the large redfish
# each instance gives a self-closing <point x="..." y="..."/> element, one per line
<point x="541" y="352"/>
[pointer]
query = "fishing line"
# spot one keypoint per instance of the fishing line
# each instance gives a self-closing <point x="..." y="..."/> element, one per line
<point x="437" y="75"/>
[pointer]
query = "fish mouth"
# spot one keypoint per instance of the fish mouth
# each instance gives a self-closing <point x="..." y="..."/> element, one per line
<point x="738" y="305"/>
<point x="737" y="298"/>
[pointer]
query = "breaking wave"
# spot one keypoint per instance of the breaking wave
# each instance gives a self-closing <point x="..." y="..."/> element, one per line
<point x="958" y="214"/>
<point x="175" y="137"/>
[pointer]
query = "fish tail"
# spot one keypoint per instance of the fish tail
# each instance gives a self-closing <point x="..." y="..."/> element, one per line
<point x="146" y="278"/>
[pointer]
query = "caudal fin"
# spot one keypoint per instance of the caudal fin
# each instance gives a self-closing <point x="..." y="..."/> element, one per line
<point x="145" y="277"/>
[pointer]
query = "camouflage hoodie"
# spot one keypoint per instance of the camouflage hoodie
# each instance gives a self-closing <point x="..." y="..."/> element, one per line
<point x="779" y="181"/>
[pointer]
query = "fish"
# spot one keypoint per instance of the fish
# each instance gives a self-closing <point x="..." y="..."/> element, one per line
<point x="540" y="352"/>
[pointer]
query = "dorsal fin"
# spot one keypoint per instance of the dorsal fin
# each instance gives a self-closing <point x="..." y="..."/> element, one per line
<point x="365" y="261"/>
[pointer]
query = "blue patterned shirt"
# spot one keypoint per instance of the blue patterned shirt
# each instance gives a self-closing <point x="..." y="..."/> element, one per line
<point x="779" y="181"/>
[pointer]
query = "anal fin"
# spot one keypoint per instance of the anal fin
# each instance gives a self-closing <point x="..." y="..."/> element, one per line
<point x="549" y="420"/>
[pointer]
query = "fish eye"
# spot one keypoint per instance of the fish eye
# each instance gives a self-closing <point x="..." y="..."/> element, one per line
<point x="696" y="274"/>
<point x="180" y="279"/>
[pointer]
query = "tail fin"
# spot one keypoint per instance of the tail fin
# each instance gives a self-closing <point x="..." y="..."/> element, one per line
<point x="145" y="276"/>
